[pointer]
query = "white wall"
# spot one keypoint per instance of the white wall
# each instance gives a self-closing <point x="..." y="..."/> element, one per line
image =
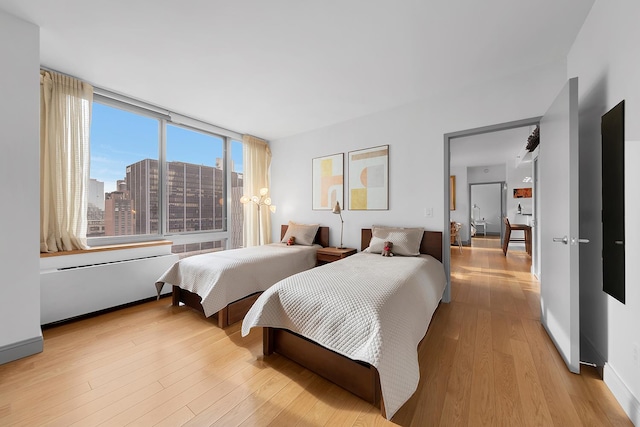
<point x="488" y="198"/>
<point x="20" y="333"/>
<point x="415" y="135"/>
<point x="606" y="60"/>
<point x="486" y="174"/>
<point x="515" y="175"/>
<point x="489" y="173"/>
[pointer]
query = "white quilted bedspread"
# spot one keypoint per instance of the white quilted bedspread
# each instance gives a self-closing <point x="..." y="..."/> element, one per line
<point x="366" y="307"/>
<point x="223" y="277"/>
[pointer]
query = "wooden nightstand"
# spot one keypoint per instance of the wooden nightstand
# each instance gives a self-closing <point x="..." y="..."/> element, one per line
<point x="330" y="254"/>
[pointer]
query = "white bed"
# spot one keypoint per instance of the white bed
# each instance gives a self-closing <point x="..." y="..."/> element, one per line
<point x="215" y="281"/>
<point x="367" y="308"/>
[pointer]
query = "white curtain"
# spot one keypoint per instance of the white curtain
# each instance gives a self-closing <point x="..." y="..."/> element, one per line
<point x="256" y="157"/>
<point x="65" y="117"/>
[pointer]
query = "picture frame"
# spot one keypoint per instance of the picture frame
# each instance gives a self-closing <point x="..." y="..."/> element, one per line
<point x="327" y="181"/>
<point x="369" y="178"/>
<point x="452" y="192"/>
<point x="522" y="193"/>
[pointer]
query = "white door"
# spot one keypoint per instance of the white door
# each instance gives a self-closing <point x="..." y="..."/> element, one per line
<point x="558" y="222"/>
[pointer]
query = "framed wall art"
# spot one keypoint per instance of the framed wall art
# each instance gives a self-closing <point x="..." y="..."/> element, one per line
<point x="522" y="193"/>
<point x="452" y="193"/>
<point x="327" y="181"/>
<point x="369" y="178"/>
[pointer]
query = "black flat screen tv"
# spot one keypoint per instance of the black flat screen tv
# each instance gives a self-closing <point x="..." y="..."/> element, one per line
<point x="613" y="239"/>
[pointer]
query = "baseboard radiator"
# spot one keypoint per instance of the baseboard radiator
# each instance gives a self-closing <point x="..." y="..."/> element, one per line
<point x="75" y="290"/>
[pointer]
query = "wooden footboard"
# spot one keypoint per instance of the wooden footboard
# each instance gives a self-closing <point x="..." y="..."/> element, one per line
<point x="359" y="378"/>
<point x="229" y="315"/>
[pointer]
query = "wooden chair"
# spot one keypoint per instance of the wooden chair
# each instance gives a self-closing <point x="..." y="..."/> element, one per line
<point x="507" y="236"/>
<point x="455" y="234"/>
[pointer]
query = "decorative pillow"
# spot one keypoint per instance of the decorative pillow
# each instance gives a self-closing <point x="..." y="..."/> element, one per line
<point x="406" y="241"/>
<point x="304" y="233"/>
<point x="376" y="245"/>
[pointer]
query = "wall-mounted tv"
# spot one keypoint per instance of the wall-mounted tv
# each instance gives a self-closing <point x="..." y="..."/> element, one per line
<point x="613" y="239"/>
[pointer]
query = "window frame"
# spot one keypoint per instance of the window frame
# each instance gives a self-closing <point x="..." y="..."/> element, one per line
<point x="165" y="118"/>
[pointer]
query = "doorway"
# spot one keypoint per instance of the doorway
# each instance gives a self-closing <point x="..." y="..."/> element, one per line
<point x="559" y="215"/>
<point x="494" y="172"/>
<point x="488" y="207"/>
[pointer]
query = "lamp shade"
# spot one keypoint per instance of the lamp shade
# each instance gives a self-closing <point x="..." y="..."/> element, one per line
<point x="337" y="210"/>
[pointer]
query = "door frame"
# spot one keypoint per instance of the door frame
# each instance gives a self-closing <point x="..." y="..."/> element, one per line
<point x="446" y="235"/>
<point x="535" y="250"/>
<point x="502" y="204"/>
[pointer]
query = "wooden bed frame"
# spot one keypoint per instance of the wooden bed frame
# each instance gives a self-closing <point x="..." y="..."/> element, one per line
<point x="359" y="378"/>
<point x="235" y="311"/>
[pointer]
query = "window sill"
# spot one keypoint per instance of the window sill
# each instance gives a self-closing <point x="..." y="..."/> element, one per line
<point x="105" y="248"/>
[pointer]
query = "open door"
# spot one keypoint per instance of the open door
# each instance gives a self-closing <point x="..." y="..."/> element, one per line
<point x="558" y="222"/>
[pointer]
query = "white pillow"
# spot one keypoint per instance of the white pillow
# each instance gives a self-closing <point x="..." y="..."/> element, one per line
<point x="376" y="245"/>
<point x="406" y="241"/>
<point x="304" y="233"/>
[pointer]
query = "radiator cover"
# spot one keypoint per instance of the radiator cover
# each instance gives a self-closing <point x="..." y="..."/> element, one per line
<point x="77" y="290"/>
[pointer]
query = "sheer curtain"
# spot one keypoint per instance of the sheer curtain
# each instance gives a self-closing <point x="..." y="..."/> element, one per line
<point x="256" y="159"/>
<point x="65" y="117"/>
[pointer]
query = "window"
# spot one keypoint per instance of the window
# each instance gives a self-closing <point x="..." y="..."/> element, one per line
<point x="195" y="181"/>
<point x="152" y="177"/>
<point x="123" y="189"/>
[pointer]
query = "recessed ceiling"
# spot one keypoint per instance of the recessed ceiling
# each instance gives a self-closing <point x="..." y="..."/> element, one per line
<point x="281" y="67"/>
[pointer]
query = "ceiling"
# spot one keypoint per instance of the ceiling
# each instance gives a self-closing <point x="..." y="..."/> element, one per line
<point x="489" y="149"/>
<point x="282" y="67"/>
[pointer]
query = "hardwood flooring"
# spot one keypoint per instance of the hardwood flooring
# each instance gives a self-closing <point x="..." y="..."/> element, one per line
<point x="486" y="360"/>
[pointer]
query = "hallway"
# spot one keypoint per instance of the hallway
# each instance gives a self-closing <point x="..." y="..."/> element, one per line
<point x="498" y="365"/>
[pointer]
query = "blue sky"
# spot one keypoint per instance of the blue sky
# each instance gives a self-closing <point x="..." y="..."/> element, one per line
<point x="120" y="138"/>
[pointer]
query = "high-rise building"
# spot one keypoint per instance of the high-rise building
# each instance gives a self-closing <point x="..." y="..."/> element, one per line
<point x="119" y="214"/>
<point x="95" y="208"/>
<point x="95" y="195"/>
<point x="237" y="212"/>
<point x="142" y="184"/>
<point x="195" y="198"/>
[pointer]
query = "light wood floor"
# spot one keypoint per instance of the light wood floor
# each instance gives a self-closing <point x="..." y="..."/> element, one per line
<point x="486" y="360"/>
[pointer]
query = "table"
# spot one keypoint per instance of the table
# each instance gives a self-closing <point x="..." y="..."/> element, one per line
<point x="331" y="254"/>
<point x="482" y="224"/>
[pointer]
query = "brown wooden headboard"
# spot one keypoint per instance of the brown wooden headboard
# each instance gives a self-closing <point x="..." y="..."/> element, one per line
<point x="431" y="243"/>
<point x="322" y="236"/>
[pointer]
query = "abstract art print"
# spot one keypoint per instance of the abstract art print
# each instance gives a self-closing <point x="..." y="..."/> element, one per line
<point x="522" y="193"/>
<point x="327" y="181"/>
<point x="369" y="178"/>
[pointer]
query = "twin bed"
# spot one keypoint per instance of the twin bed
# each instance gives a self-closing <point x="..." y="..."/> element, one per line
<point x="227" y="283"/>
<point x="356" y="322"/>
